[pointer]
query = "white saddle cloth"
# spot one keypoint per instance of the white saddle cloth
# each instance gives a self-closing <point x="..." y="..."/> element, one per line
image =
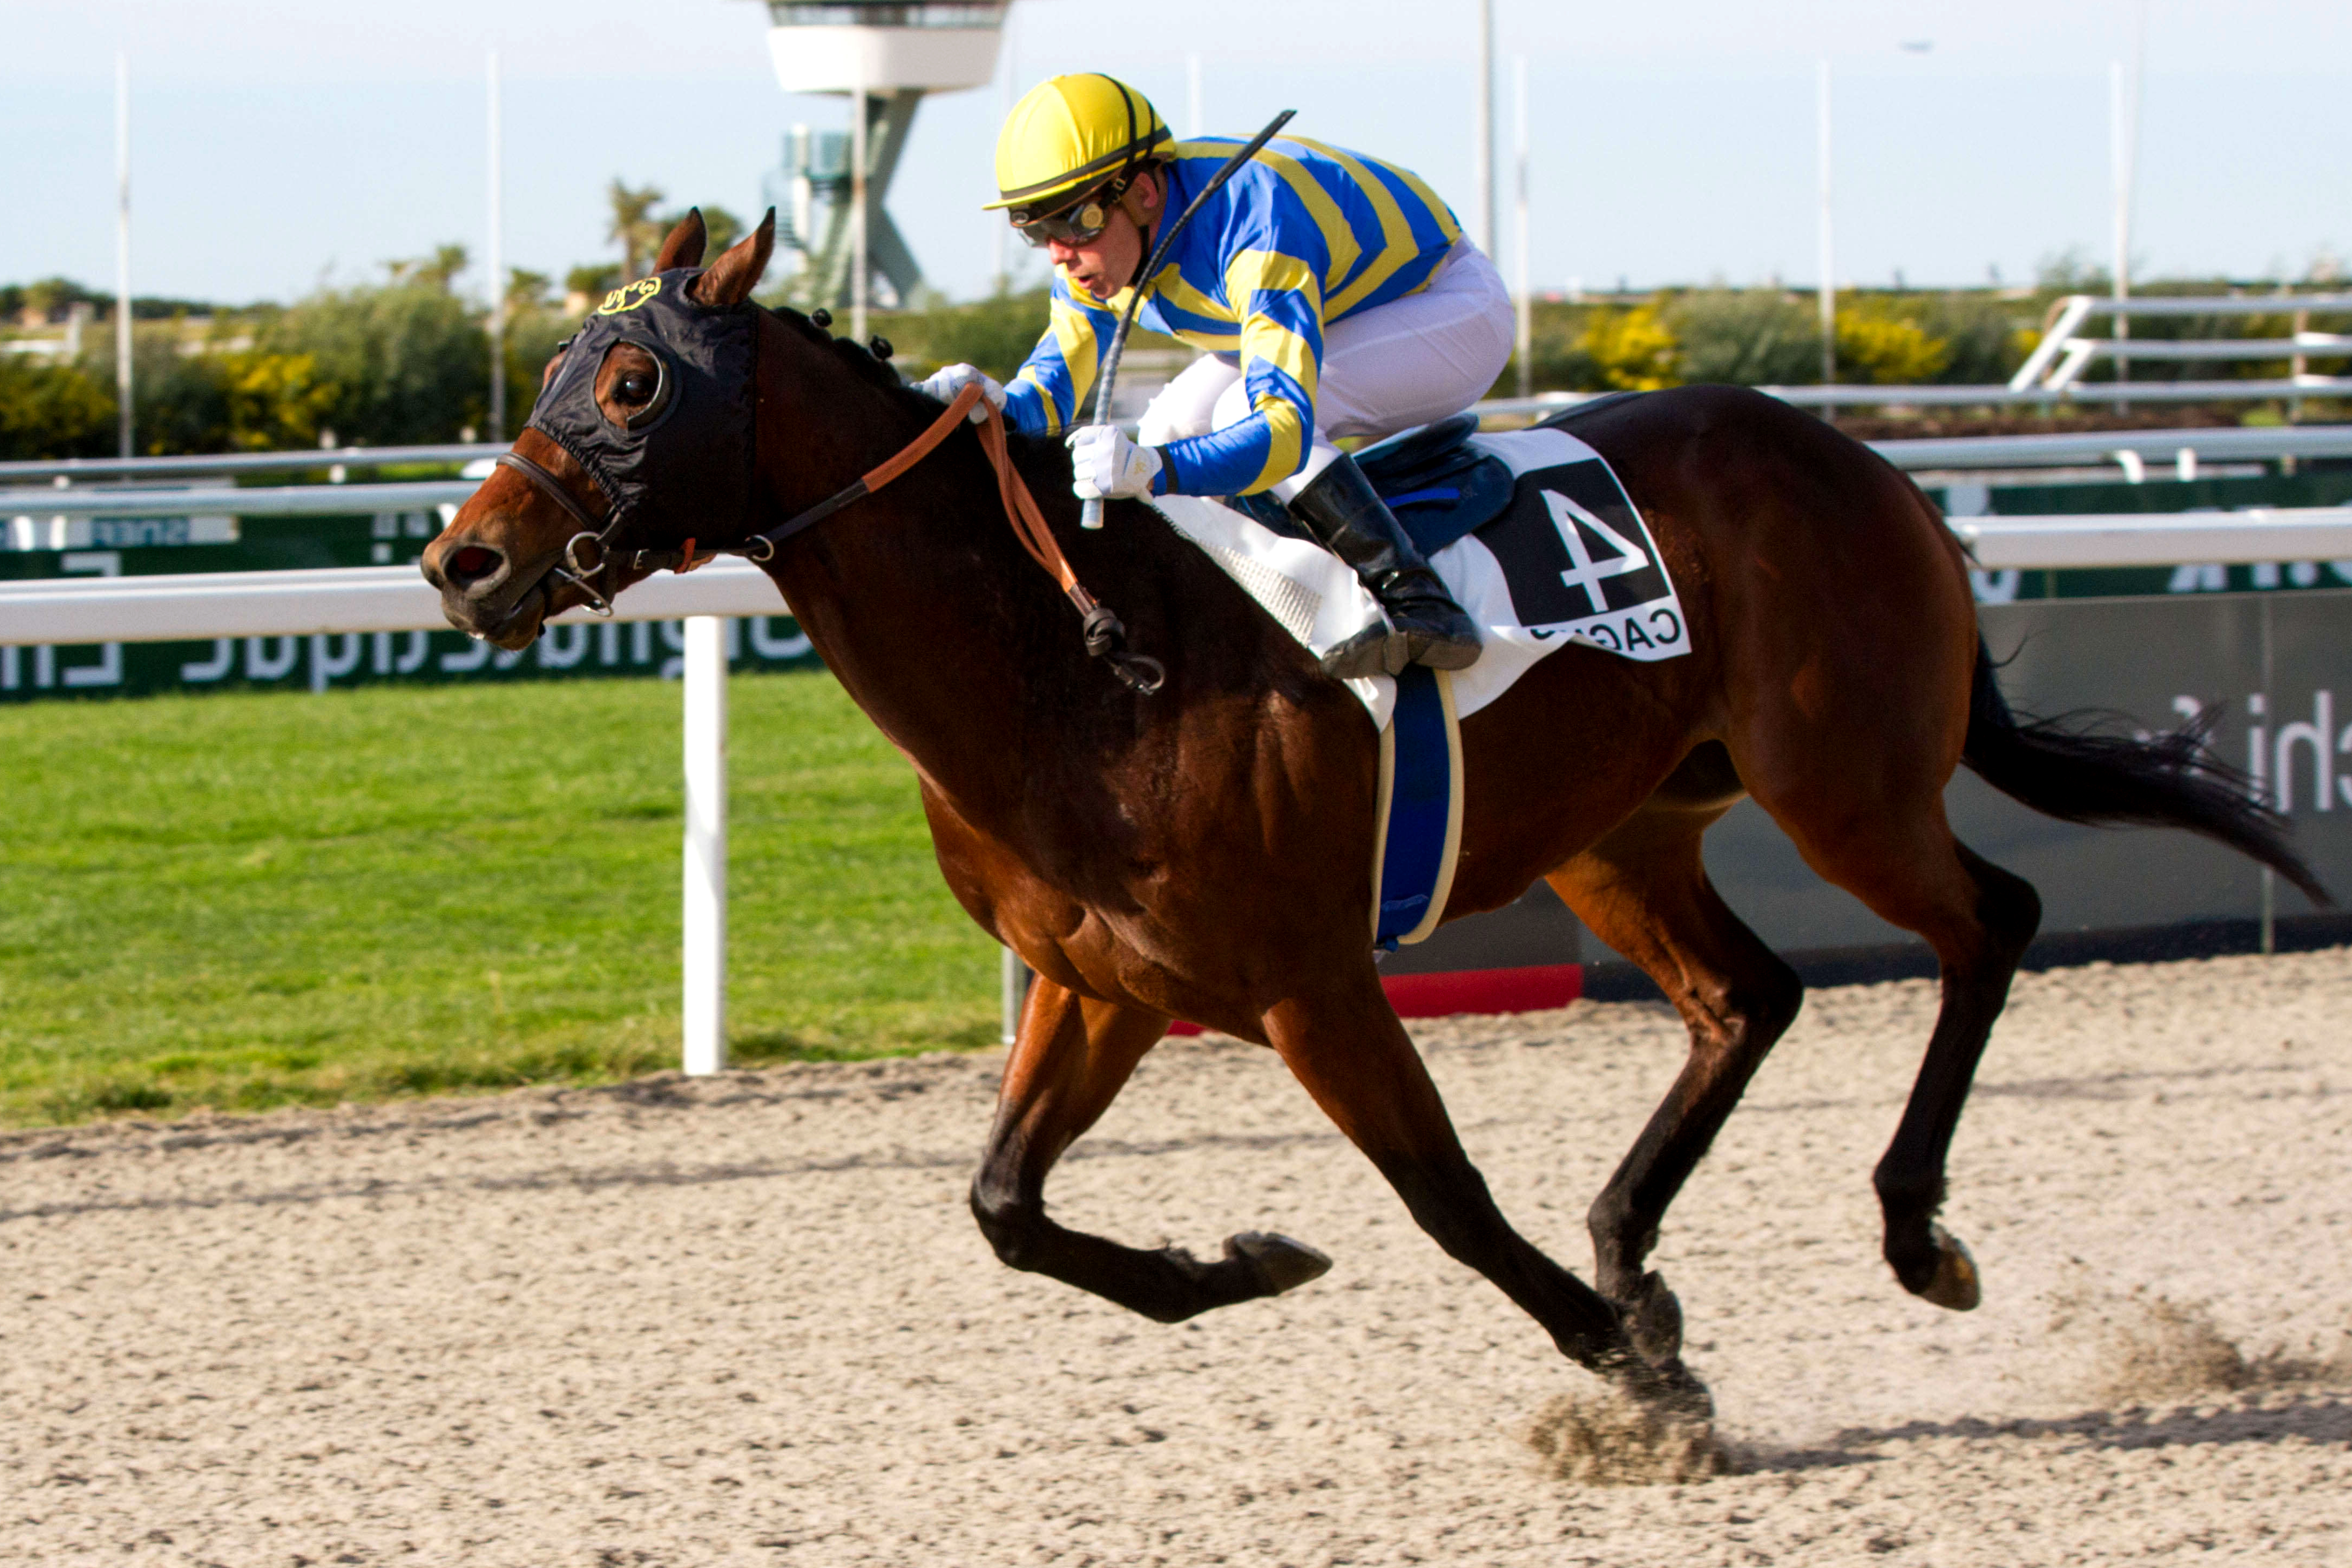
<point x="1614" y="566"/>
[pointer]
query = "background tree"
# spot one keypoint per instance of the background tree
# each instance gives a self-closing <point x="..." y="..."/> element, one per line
<point x="525" y="290"/>
<point x="435" y="271"/>
<point x="408" y="362"/>
<point x="583" y="286"/>
<point x="634" y="226"/>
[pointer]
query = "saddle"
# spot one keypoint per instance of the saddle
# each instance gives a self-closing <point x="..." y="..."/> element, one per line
<point x="1441" y="485"/>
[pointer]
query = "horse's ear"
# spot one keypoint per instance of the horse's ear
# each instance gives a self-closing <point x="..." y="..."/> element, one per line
<point x="684" y="245"/>
<point x="733" y="276"/>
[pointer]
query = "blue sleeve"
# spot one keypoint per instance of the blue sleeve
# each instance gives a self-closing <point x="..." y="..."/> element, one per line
<point x="1282" y="361"/>
<point x="1045" y="396"/>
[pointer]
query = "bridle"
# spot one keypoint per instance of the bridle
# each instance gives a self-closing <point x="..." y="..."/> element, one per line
<point x="1106" y="636"/>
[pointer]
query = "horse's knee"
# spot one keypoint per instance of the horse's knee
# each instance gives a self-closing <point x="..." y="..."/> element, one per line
<point x="1011" y="1221"/>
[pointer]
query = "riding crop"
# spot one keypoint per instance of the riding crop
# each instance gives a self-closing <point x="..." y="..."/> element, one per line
<point x="1091" y="514"/>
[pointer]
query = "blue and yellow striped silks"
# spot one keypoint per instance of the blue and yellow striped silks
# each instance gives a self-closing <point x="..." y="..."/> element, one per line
<point x="1303" y="236"/>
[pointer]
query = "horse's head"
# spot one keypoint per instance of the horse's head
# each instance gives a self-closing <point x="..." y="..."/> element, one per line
<point x="638" y="454"/>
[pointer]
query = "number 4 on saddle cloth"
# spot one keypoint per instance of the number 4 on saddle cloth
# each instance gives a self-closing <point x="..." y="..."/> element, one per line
<point x="1536" y="540"/>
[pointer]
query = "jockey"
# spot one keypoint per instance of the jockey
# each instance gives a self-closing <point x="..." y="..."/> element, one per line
<point x="1336" y="295"/>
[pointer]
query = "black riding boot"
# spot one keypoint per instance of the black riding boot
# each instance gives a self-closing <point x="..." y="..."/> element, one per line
<point x="1348" y="519"/>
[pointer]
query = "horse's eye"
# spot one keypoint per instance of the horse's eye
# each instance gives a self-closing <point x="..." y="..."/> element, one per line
<point x="636" y="387"/>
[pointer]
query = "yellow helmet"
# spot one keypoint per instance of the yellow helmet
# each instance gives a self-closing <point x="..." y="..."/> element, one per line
<point x="1070" y="132"/>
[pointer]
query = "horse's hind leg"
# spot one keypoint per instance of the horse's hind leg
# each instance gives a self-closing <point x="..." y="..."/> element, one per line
<point x="1979" y="957"/>
<point x="1643" y="890"/>
<point x="1071" y="1059"/>
<point x="1906" y="866"/>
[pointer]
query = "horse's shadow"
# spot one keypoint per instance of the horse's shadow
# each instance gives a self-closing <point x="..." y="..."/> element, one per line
<point x="2314" y="1416"/>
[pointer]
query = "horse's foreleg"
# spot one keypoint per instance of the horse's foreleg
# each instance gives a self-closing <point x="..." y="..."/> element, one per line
<point x="1072" y="1057"/>
<point x="1645" y="891"/>
<point x="1354" y="1060"/>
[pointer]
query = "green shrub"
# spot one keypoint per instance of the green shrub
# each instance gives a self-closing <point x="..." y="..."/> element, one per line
<point x="995" y="333"/>
<point x="53" y="410"/>
<point x="1748" y="337"/>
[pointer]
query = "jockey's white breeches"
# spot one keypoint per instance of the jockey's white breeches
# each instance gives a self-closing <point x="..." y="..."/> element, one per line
<point x="1411" y="361"/>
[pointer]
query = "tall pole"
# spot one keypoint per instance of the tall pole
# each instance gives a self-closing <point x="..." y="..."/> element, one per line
<point x="2122" y="135"/>
<point x="1482" y="170"/>
<point x="1000" y="231"/>
<point x="1829" y="253"/>
<point x="857" y="258"/>
<point x="122" y="249"/>
<point x="1526" y="340"/>
<point x="498" y="266"/>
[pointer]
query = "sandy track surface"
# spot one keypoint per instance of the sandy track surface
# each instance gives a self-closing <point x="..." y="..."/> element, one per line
<point x="750" y="1321"/>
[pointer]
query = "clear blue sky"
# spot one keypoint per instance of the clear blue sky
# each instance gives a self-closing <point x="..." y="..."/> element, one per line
<point x="276" y="146"/>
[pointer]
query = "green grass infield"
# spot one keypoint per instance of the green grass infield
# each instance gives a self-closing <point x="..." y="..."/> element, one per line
<point x="239" y="901"/>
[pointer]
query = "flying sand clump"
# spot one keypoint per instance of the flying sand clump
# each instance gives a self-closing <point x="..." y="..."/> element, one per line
<point x="1601" y="1438"/>
<point x="2149" y="1349"/>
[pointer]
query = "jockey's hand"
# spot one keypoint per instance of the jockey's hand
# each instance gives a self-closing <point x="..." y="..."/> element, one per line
<point x="1105" y="463"/>
<point x="948" y="380"/>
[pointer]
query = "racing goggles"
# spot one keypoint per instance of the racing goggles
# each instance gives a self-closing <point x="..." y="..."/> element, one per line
<point x="1080" y="224"/>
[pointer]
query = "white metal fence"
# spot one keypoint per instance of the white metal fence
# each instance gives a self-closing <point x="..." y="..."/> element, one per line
<point x="2064" y="354"/>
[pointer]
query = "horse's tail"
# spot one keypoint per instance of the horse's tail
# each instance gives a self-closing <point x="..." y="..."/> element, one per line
<point x="2115" y="781"/>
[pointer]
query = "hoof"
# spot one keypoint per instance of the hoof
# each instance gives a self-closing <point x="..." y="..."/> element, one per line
<point x="1954" y="1285"/>
<point x="1679" y="1395"/>
<point x="1653" y="1320"/>
<point x="1279" y="1263"/>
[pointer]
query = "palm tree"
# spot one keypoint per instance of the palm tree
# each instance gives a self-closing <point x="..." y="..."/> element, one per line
<point x="635" y="226"/>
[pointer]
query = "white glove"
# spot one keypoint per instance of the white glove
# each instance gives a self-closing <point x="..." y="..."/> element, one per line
<point x="948" y="380"/>
<point x="1105" y="463"/>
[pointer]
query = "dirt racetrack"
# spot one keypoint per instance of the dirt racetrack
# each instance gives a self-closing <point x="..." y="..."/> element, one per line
<point x="750" y="1321"/>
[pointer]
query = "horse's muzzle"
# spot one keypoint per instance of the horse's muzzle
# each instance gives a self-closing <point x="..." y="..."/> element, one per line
<point x="485" y="593"/>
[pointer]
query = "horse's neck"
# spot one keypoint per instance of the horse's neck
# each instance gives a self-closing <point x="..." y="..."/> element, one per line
<point x="915" y="596"/>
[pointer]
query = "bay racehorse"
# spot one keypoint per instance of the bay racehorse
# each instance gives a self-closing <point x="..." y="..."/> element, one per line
<point x="1203" y="850"/>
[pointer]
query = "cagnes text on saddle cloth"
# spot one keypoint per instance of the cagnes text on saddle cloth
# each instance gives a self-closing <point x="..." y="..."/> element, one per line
<point x="1569" y="559"/>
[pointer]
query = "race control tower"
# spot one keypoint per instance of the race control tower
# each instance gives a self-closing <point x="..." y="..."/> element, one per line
<point x="892" y="53"/>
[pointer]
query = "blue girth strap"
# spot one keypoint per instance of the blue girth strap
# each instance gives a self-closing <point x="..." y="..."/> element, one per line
<point x="1421" y="768"/>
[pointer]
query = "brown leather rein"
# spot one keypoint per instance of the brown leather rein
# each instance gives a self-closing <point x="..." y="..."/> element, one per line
<point x="1106" y="637"/>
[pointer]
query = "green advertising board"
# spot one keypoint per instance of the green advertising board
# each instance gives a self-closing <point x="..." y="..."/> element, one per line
<point x="139" y="547"/>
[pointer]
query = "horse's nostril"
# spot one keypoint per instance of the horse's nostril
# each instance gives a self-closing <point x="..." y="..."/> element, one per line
<point x="471" y="565"/>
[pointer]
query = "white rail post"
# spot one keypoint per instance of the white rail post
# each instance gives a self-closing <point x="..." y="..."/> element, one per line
<point x="1013" y="987"/>
<point x="704" y="1013"/>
